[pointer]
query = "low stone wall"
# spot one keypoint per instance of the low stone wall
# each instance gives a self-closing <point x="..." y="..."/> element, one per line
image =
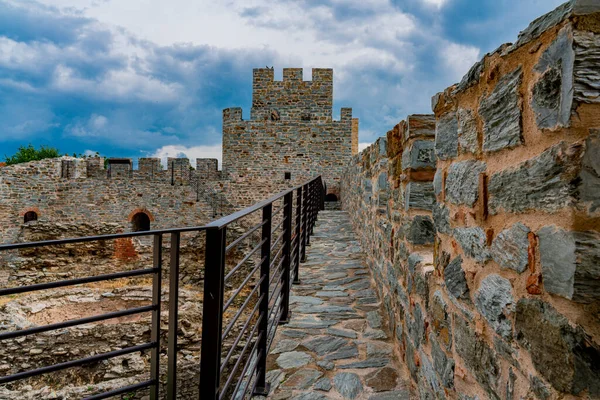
<point x="509" y="307"/>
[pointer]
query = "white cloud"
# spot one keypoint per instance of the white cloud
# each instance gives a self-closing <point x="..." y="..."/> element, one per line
<point x="435" y="3"/>
<point x="362" y="146"/>
<point x="214" y="151"/>
<point x="90" y="153"/>
<point x="459" y="58"/>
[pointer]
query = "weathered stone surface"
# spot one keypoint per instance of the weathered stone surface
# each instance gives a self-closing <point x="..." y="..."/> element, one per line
<point x="544" y="183"/>
<point x="421" y="155"/>
<point x="462" y="182"/>
<point x="324" y="344"/>
<point x="552" y="96"/>
<point x="443" y="365"/>
<point x="348" y="385"/>
<point x="323" y="384"/>
<point x="538" y="387"/>
<point x="419" y="196"/>
<point x="467" y="131"/>
<point x="441" y="218"/>
<point x="570" y="263"/>
<point x="374" y="319"/>
<point x="285" y="345"/>
<point x="342" y="333"/>
<point x="477" y="356"/>
<point x="509" y="248"/>
<point x="440" y="320"/>
<point x="415" y="325"/>
<point x="421" y="230"/>
<point x="293" y="359"/>
<point x="371" y="363"/>
<point x="348" y="351"/>
<point x="326" y="365"/>
<point x="543" y="23"/>
<point x="501" y="114"/>
<point x="473" y="242"/>
<point x="587" y="76"/>
<point x="563" y="355"/>
<point x="396" y="395"/>
<point x="446" y="137"/>
<point x="308" y="396"/>
<point x="494" y="301"/>
<point x="419" y="125"/>
<point x="589" y="190"/>
<point x="376" y="349"/>
<point x="471" y="78"/>
<point x="382" y="380"/>
<point x="302" y="379"/>
<point x="455" y="280"/>
<point x="437" y="181"/>
<point x="429" y="383"/>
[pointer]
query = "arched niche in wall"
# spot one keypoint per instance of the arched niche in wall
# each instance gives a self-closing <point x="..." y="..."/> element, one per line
<point x="331" y="197"/>
<point x="30" y="216"/>
<point x="140" y="220"/>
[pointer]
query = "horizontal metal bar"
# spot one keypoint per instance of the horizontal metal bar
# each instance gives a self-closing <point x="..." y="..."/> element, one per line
<point x="276" y="256"/>
<point x="126" y="389"/>
<point x="241" y="309"/>
<point x="277" y="272"/>
<point x="245" y="370"/>
<point x="246" y="258"/>
<point x="239" y="360"/>
<point x="242" y="332"/>
<point x="244" y="236"/>
<point x="239" y="289"/>
<point x="75" y="363"/>
<point x="278" y="291"/>
<point x="78" y="281"/>
<point x="278" y="209"/>
<point x="44" y="243"/>
<point x="250" y="374"/>
<point x="74" y="322"/>
<point x="278" y="225"/>
<point x="277" y="241"/>
<point x="249" y="210"/>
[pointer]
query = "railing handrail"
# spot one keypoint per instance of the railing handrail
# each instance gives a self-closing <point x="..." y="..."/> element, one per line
<point x="228" y="219"/>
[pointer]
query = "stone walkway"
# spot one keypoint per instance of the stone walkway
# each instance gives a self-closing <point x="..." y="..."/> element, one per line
<point x="336" y="345"/>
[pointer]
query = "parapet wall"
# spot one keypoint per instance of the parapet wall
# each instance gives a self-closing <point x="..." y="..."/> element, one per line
<point x="508" y="306"/>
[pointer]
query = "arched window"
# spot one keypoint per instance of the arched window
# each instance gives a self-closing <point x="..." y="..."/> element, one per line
<point x="30" y="216"/>
<point x="331" y="197"/>
<point x="140" y="222"/>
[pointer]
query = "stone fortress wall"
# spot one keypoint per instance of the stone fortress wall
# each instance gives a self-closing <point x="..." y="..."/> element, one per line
<point x="493" y="291"/>
<point x="290" y="131"/>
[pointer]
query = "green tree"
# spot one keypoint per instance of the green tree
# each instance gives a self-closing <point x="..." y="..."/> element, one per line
<point x="30" y="153"/>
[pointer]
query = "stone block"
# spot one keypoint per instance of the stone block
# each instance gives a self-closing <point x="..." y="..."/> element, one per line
<point x="440" y="320"/>
<point x="570" y="263"/>
<point x="477" y="356"/>
<point x="589" y="189"/>
<point x="437" y="181"/>
<point x="586" y="72"/>
<point x="510" y="248"/>
<point x="473" y="242"/>
<point x="419" y="196"/>
<point x="562" y="354"/>
<point x="420" y="125"/>
<point x="421" y="155"/>
<point x="455" y="280"/>
<point x="430" y="386"/>
<point x="446" y="136"/>
<point x="421" y="230"/>
<point x="443" y="365"/>
<point x="501" y="114"/>
<point x="544" y="183"/>
<point x="494" y="301"/>
<point x="462" y="182"/>
<point x="415" y="326"/>
<point x="441" y="219"/>
<point x="467" y="131"/>
<point x="552" y="95"/>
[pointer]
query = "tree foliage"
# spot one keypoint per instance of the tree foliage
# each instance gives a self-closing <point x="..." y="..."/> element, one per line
<point x="30" y="153"/>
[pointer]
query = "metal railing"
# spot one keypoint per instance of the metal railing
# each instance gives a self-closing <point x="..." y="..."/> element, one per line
<point x="284" y="234"/>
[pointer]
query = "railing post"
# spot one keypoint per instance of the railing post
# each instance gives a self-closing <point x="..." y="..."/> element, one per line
<point x="298" y="235"/>
<point x="155" y="329"/>
<point x="313" y="216"/>
<point x="262" y="387"/>
<point x="212" y="317"/>
<point x="287" y="261"/>
<point x="305" y="241"/>
<point x="173" y="317"/>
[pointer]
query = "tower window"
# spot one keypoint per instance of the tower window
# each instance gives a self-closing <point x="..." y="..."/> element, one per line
<point x="288" y="175"/>
<point x="331" y="197"/>
<point x="30" y="216"/>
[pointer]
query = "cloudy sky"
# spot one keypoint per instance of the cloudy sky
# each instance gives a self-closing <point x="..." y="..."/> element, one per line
<point x="133" y="78"/>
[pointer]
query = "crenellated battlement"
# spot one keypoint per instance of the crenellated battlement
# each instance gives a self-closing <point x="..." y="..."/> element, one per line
<point x="266" y="75"/>
<point x="177" y="171"/>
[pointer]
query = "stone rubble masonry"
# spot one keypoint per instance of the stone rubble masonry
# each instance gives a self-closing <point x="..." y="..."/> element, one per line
<point x="291" y="130"/>
<point x="499" y="299"/>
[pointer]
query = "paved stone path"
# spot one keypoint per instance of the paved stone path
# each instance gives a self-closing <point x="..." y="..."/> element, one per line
<point x="336" y="345"/>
